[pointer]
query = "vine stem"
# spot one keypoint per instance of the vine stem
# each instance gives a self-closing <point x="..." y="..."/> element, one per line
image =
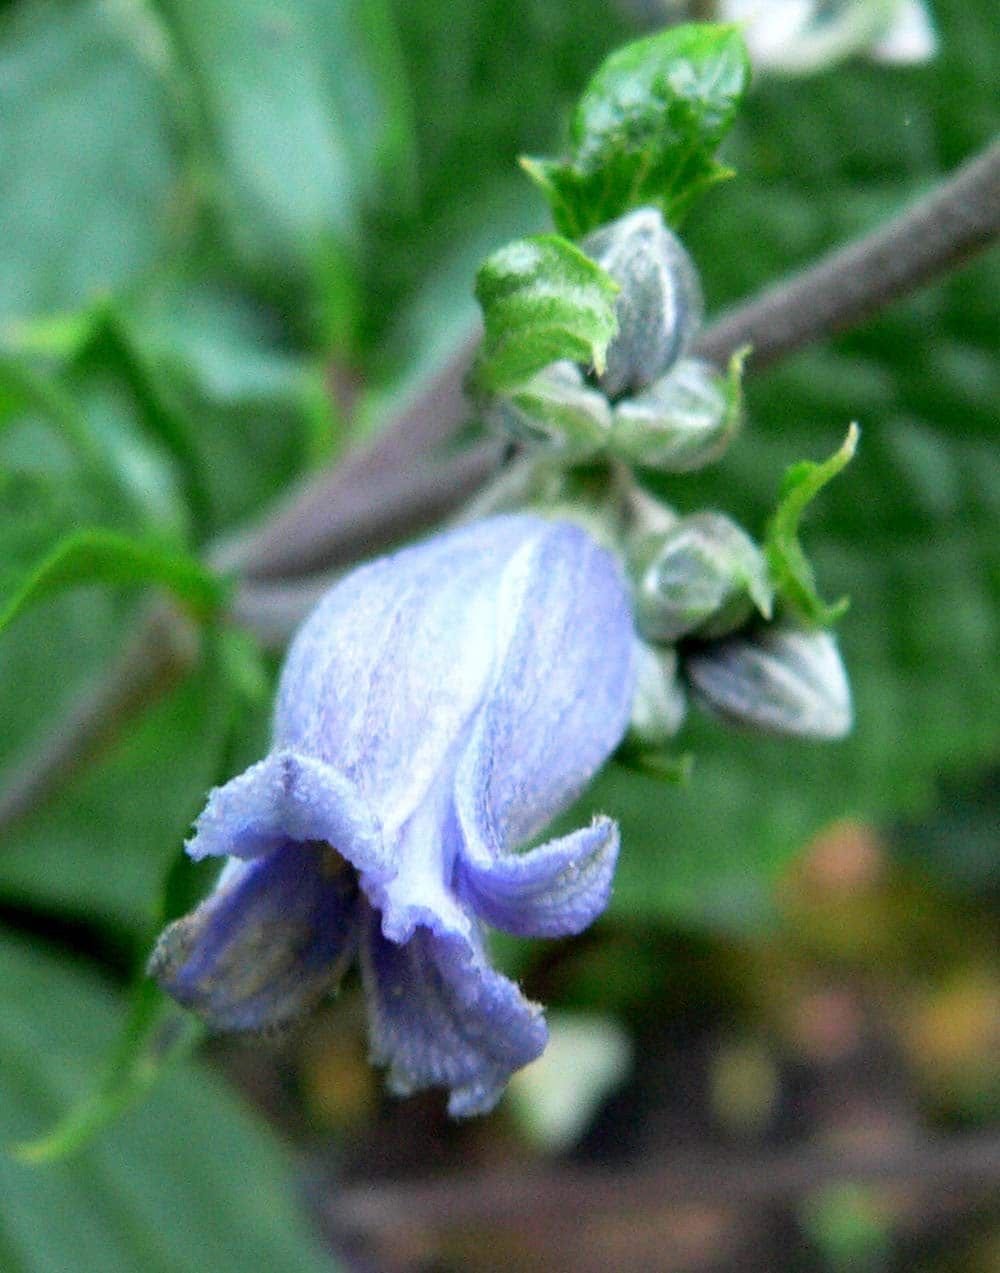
<point x="395" y="487"/>
<point x="377" y="494"/>
<point x="947" y="227"/>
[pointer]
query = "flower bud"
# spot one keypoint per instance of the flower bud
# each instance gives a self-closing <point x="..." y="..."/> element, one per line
<point x="660" y="703"/>
<point x="684" y="421"/>
<point x="659" y="306"/>
<point x="781" y="681"/>
<point x="705" y="576"/>
<point x="557" y="409"/>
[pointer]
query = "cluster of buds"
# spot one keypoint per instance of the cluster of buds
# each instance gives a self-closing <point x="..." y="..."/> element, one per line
<point x="652" y="405"/>
<point x="709" y="623"/>
<point x="705" y="614"/>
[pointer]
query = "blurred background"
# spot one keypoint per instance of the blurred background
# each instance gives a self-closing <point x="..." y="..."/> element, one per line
<point x="234" y="236"/>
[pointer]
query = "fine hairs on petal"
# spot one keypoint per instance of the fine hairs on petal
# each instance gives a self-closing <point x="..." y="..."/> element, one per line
<point x="284" y="797"/>
<point x="440" y="1016"/>
<point x="436" y="711"/>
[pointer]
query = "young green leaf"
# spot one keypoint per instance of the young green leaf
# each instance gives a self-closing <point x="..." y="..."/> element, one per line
<point x="647" y="128"/>
<point x="790" y="570"/>
<point x="104" y="556"/>
<point x="542" y="301"/>
<point x="112" y="349"/>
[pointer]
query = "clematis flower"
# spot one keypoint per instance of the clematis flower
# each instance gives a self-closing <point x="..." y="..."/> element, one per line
<point x="437" y="709"/>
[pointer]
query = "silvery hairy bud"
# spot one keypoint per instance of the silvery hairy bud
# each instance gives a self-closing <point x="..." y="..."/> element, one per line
<point x="782" y="680"/>
<point x="660" y="703"/>
<point x="704" y="577"/>
<point x="659" y="307"/>
<point x="555" y="408"/>
<point x="684" y="421"/>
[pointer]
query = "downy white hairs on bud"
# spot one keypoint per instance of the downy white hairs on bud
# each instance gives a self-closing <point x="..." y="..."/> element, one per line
<point x="660" y="702"/>
<point x="557" y="409"/>
<point x="684" y="421"/>
<point x="659" y="307"/>
<point x="704" y="577"/>
<point x="781" y="680"/>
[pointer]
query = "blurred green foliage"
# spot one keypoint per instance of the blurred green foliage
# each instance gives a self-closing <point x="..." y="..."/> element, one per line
<point x="204" y="207"/>
<point x="190" y="1182"/>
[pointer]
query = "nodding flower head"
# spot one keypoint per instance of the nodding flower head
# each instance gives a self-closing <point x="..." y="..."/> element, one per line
<point x="436" y="711"/>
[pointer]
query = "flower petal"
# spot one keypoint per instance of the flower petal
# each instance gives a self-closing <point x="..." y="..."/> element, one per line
<point x="553" y="891"/>
<point x="440" y="1016"/>
<point x="384" y="676"/>
<point x="275" y="936"/>
<point x="561" y="692"/>
<point x="289" y="797"/>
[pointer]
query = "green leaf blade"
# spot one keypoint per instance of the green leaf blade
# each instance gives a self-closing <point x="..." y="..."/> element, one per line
<point x="113" y="350"/>
<point x="647" y="128"/>
<point x="790" y="569"/>
<point x="542" y="301"/>
<point x="190" y="1181"/>
<point x="104" y="556"/>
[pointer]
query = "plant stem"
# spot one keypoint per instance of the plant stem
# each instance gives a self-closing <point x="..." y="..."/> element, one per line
<point x="381" y="492"/>
<point x="944" y="229"/>
<point x="344" y="512"/>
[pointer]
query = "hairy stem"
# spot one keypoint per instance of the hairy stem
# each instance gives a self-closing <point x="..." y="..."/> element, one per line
<point x="944" y="229"/>
<point x="163" y="648"/>
<point x="383" y="491"/>
<point x="346" y="511"/>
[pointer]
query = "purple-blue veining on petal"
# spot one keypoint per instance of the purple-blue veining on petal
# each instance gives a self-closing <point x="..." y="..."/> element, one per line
<point x="420" y="891"/>
<point x="555" y="890"/>
<point x="552" y="652"/>
<point x="436" y="711"/>
<point x="289" y="797"/>
<point x="384" y="676"/>
<point x="560" y="698"/>
<point x="268" y="944"/>
<point x="440" y="1016"/>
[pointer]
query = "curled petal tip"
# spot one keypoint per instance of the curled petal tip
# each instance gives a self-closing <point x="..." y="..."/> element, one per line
<point x="285" y="797"/>
<point x="555" y="890"/>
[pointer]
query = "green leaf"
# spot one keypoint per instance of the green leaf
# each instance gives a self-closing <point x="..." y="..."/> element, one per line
<point x="102" y="851"/>
<point x="791" y="572"/>
<point x="264" y="411"/>
<point x="542" y="300"/>
<point x="153" y="1035"/>
<point x="88" y="154"/>
<point x="112" y="354"/>
<point x="188" y="1182"/>
<point x="104" y="556"/>
<point x="289" y="182"/>
<point x="25" y="391"/>
<point x="479" y="101"/>
<point x="155" y="1032"/>
<point x="647" y="128"/>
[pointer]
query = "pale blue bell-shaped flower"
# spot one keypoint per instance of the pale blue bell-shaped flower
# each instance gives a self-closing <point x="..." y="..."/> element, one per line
<point x="435" y="712"/>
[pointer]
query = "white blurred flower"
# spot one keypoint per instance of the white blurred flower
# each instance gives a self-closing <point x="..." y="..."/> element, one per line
<point x="909" y="38"/>
<point x="555" y="1098"/>
<point x="802" y="36"/>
